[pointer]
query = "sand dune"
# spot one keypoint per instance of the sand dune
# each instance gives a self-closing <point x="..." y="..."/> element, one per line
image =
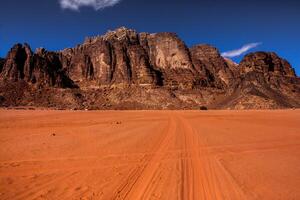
<point x="150" y="155"/>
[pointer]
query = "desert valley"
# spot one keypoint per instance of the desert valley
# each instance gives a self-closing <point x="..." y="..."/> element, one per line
<point x="56" y="143"/>
<point x="149" y="100"/>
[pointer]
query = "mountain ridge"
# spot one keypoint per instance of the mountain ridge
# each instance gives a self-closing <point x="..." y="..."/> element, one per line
<point x="124" y="69"/>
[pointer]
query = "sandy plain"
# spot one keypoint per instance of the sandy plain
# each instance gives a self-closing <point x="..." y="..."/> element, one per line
<point x="149" y="154"/>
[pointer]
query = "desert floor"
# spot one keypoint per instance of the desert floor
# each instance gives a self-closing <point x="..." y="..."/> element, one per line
<point x="149" y="154"/>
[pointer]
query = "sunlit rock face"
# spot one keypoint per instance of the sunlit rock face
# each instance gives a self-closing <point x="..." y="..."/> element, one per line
<point x="125" y="69"/>
<point x="268" y="63"/>
<point x="170" y="55"/>
<point x="212" y="65"/>
<point x="125" y="57"/>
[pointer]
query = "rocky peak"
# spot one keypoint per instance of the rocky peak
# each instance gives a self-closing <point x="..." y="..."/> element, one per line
<point x="206" y="51"/>
<point x="17" y="64"/>
<point x="156" y="70"/>
<point x="124" y="56"/>
<point x="40" y="51"/>
<point x="267" y="63"/>
<point x="121" y="34"/>
<point x="42" y="67"/>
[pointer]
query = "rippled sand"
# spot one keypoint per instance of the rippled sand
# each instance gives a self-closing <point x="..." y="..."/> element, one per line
<point x="149" y="154"/>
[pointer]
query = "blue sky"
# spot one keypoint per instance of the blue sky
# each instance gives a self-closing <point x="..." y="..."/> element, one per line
<point x="263" y="25"/>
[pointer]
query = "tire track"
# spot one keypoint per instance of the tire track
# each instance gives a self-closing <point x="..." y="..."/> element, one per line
<point x="134" y="187"/>
<point x="200" y="175"/>
<point x="209" y="180"/>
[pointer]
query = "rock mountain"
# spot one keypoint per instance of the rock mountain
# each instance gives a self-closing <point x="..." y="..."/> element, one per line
<point x="124" y="69"/>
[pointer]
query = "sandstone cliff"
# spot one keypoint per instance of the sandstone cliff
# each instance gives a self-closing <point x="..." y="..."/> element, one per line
<point x="212" y="66"/>
<point x="125" y="57"/>
<point x="124" y="69"/>
<point x="41" y="68"/>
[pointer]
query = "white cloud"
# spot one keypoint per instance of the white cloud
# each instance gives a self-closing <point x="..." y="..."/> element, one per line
<point x="96" y="4"/>
<point x="243" y="49"/>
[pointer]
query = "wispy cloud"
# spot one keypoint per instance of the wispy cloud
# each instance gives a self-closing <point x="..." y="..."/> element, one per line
<point x="96" y="4"/>
<point x="240" y="51"/>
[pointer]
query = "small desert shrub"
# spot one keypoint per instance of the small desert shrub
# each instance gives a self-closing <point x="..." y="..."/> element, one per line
<point x="203" y="108"/>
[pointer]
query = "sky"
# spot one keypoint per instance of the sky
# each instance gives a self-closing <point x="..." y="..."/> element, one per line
<point x="235" y="27"/>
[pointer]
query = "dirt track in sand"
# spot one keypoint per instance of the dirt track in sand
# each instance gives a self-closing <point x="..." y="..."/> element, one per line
<point x="150" y="155"/>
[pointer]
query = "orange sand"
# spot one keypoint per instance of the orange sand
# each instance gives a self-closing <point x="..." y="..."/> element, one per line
<point x="150" y="155"/>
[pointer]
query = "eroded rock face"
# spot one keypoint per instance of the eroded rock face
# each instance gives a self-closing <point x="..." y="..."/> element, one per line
<point x="125" y="57"/>
<point x="167" y="51"/>
<point x="47" y="70"/>
<point x="115" y="58"/>
<point x="271" y="70"/>
<point x="267" y="63"/>
<point x="18" y="63"/>
<point x="170" y="55"/>
<point x="211" y="65"/>
<point x="89" y="62"/>
<point x="42" y="68"/>
<point x="129" y="70"/>
<point x="265" y="78"/>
